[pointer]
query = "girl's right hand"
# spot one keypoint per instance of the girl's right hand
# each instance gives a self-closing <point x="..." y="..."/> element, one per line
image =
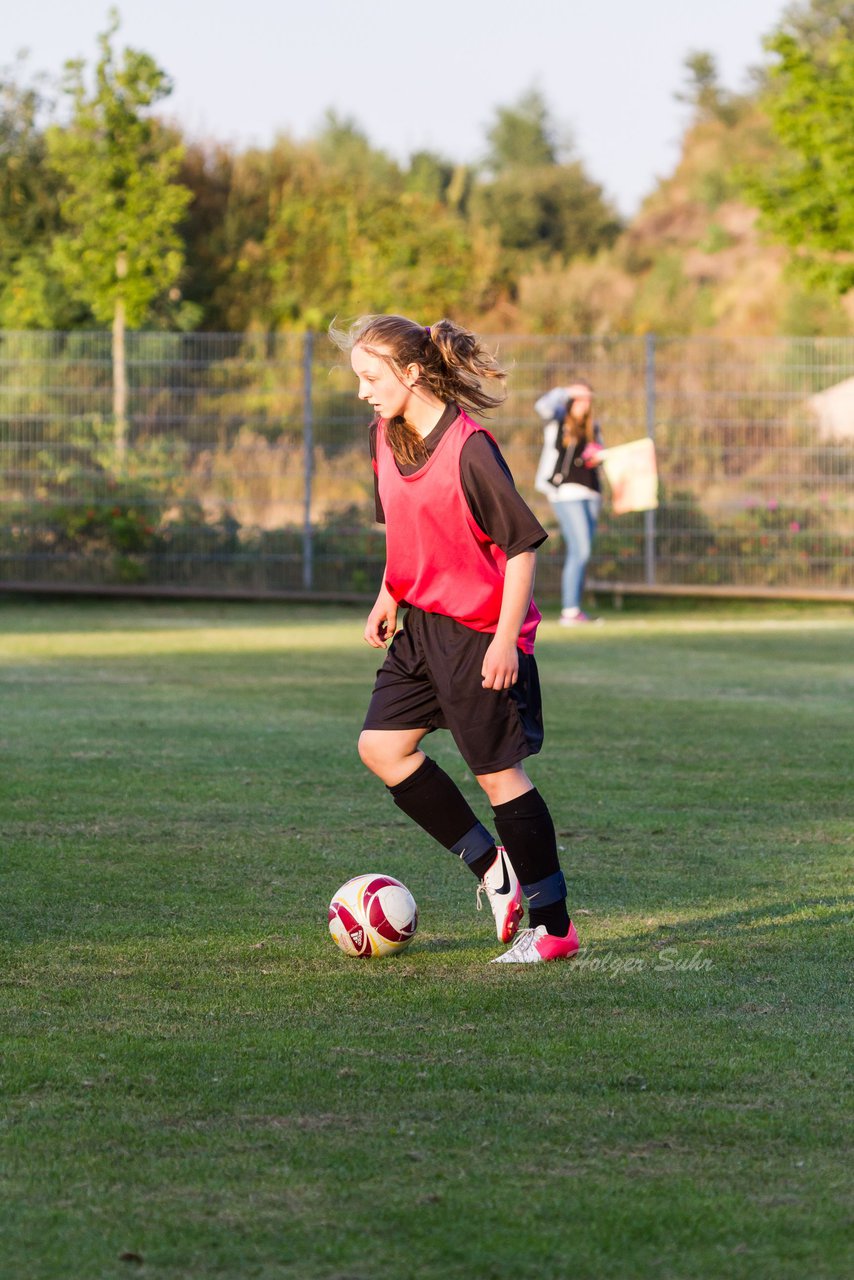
<point x="382" y="621"/>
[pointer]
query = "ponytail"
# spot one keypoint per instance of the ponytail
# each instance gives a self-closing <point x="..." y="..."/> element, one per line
<point x="464" y="365"/>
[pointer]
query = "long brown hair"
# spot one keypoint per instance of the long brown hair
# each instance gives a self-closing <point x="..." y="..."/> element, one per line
<point x="453" y="365"/>
<point x="576" y="430"/>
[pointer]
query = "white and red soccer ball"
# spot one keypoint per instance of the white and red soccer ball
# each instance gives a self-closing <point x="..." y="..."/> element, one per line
<point x="372" y="915"/>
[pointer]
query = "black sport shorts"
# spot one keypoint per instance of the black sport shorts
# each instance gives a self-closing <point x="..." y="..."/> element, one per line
<point x="431" y="679"/>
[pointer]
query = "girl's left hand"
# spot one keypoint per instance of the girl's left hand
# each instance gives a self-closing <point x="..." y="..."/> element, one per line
<point x="591" y="454"/>
<point x="500" y="667"/>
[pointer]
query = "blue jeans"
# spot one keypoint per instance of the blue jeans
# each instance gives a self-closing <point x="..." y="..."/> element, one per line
<point x="577" y="519"/>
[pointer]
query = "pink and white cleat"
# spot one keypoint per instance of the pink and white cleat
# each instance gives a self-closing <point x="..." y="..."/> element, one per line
<point x="533" y="946"/>
<point x="502" y="888"/>
<point x="576" y="618"/>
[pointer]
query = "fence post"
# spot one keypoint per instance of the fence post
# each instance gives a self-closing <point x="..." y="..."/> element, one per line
<point x="308" y="455"/>
<point x="649" y="516"/>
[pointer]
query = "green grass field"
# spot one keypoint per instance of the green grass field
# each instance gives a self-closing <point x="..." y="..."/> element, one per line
<point x="197" y="1083"/>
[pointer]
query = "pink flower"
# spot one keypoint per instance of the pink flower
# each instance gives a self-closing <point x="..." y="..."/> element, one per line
<point x="773" y="504"/>
<point x="794" y="527"/>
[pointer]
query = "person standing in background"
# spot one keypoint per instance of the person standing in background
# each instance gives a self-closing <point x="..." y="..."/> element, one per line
<point x="568" y="475"/>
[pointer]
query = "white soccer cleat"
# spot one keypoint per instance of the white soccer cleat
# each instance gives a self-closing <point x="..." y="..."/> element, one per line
<point x="502" y="888"/>
<point x="533" y="946"/>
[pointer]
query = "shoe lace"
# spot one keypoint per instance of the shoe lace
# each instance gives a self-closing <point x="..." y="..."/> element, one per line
<point x="523" y="941"/>
<point x="482" y="888"/>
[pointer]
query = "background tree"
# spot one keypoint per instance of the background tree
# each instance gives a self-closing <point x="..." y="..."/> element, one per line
<point x="522" y="136"/>
<point x="547" y="212"/>
<point x="539" y="199"/>
<point x="705" y="94"/>
<point x="806" y="198"/>
<point x="234" y="196"/>
<point x="120" y="250"/>
<point x="343" y="146"/>
<point x="31" y="294"/>
<point x="208" y="172"/>
<point x="430" y="175"/>
<point x="814" y="22"/>
<point x="342" y="241"/>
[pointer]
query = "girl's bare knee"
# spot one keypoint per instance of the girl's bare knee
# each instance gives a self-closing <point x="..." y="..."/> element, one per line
<point x="380" y="753"/>
<point x="506" y="785"/>
<point x="392" y="756"/>
<point x="368" y="751"/>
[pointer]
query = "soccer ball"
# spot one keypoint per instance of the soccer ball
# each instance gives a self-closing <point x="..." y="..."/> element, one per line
<point x="372" y="915"/>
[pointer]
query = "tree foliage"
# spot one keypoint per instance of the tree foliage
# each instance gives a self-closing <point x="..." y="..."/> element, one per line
<point x="309" y="237"/>
<point x="108" y="214"/>
<point x="704" y="92"/>
<point x="121" y="205"/>
<point x="815" y="22"/>
<point x="31" y="293"/>
<point x="806" y="198"/>
<point x="27" y="195"/>
<point x="522" y="136"/>
<point x="290" y="235"/>
<point x="539" y="199"/>
<point x="547" y="211"/>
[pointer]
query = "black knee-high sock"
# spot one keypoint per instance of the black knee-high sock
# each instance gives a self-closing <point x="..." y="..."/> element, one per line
<point x="433" y="800"/>
<point x="526" y="830"/>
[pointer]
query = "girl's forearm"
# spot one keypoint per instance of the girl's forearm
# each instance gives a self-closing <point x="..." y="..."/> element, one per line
<point x="518" y="589"/>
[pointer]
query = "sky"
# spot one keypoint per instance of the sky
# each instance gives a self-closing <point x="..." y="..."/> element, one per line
<point x="428" y="75"/>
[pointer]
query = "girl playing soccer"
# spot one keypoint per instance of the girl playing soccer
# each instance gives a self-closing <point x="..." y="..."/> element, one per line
<point x="460" y="556"/>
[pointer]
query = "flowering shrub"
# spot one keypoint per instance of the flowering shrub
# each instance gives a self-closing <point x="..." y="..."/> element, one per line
<point x="119" y="527"/>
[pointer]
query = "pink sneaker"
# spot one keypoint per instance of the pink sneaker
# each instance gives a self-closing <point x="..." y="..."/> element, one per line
<point x="504" y="893"/>
<point x="578" y="619"/>
<point x="533" y="946"/>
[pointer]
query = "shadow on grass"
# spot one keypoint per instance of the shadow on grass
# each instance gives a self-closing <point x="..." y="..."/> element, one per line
<point x="763" y="919"/>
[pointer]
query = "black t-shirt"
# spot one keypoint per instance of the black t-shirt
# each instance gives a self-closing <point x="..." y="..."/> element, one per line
<point x="491" y="494"/>
<point x="570" y="464"/>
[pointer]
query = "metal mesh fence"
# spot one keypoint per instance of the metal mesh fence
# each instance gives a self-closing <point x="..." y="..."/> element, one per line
<point x="243" y="467"/>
